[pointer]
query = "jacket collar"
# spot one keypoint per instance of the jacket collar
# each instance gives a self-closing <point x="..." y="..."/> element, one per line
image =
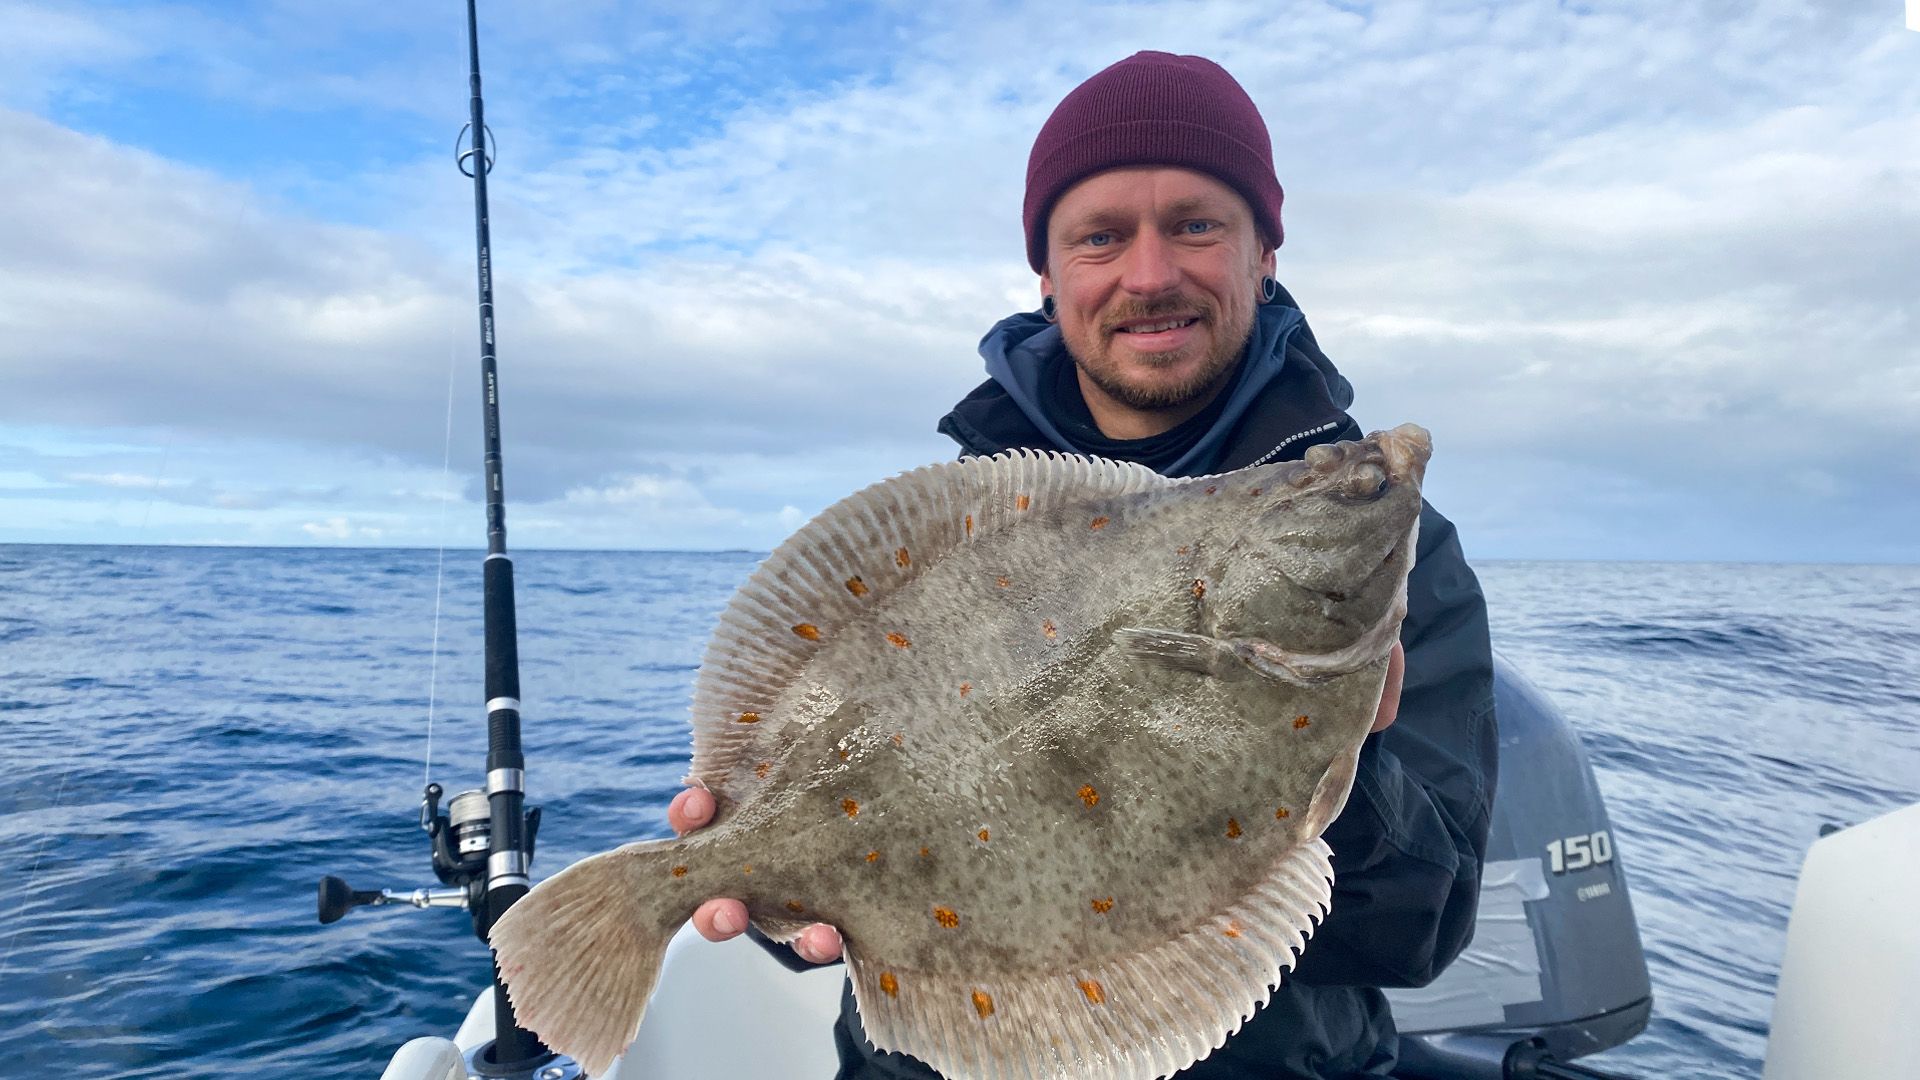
<point x="1285" y="397"/>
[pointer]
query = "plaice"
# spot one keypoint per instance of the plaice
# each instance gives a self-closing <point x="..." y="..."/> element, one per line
<point x="1052" y="740"/>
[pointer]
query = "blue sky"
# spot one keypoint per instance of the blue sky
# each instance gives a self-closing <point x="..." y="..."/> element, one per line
<point x="1646" y="270"/>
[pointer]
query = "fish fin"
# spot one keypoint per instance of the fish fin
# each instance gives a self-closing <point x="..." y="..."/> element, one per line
<point x="1330" y="794"/>
<point x="853" y="555"/>
<point x="1176" y="649"/>
<point x="1150" y="1013"/>
<point x="781" y="930"/>
<point x="581" y="952"/>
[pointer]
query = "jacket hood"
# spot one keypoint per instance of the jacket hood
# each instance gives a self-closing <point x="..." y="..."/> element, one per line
<point x="1010" y="410"/>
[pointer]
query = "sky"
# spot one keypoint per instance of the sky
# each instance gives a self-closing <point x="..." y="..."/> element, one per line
<point x="1646" y="270"/>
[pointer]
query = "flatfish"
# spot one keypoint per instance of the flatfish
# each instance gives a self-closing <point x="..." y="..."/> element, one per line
<point x="1052" y="740"/>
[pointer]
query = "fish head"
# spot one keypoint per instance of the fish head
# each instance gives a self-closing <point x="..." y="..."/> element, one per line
<point x="1327" y="555"/>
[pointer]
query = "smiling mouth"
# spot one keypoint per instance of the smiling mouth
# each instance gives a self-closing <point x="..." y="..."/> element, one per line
<point x="1157" y="327"/>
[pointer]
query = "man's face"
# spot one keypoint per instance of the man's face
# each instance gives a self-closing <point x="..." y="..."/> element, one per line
<point x="1155" y="272"/>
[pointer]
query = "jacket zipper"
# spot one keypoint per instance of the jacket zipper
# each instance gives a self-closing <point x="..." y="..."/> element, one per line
<point x="1291" y="439"/>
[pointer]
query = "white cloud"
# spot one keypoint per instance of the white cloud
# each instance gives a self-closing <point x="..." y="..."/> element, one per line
<point x="334" y="528"/>
<point x="124" y="480"/>
<point x="1638" y="250"/>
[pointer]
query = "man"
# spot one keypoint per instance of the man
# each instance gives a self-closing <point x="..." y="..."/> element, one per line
<point x="1153" y="215"/>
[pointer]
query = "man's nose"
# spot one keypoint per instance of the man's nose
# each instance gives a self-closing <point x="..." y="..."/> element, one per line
<point x="1149" y="269"/>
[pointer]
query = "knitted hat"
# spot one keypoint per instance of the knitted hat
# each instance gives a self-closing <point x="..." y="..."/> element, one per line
<point x="1153" y="108"/>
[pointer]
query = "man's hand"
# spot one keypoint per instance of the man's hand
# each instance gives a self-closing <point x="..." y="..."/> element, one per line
<point x="1382" y="718"/>
<point x="718" y="920"/>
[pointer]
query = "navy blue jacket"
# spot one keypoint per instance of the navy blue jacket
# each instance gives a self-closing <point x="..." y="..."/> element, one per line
<point x="1410" y="843"/>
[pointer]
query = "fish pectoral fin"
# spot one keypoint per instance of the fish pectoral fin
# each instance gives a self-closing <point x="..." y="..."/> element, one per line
<point x="1203" y="655"/>
<point x="1177" y="649"/>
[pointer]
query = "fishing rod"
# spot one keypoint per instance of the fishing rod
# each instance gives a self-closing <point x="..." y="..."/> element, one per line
<point x="482" y="844"/>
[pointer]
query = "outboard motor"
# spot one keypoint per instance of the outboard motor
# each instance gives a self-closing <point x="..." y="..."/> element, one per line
<point x="1555" y="969"/>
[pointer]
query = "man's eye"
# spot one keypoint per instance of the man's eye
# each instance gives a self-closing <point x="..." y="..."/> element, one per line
<point x="1100" y="239"/>
<point x="1197" y="228"/>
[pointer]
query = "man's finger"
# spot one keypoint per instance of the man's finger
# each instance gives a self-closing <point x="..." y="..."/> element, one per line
<point x="818" y="943"/>
<point x="690" y="810"/>
<point x="719" y="920"/>
<point x="1389" y="709"/>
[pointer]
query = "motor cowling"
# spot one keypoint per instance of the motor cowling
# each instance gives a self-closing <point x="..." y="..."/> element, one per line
<point x="1556" y="961"/>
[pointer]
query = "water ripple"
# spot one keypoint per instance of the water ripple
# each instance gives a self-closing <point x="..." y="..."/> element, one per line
<point x="204" y="732"/>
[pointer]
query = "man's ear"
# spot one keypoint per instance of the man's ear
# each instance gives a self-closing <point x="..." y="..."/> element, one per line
<point x="1267" y="263"/>
<point x="1046" y="280"/>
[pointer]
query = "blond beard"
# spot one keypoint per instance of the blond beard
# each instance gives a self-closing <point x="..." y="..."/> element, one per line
<point x="1209" y="379"/>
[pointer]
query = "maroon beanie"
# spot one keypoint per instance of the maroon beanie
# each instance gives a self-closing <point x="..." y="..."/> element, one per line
<point x="1153" y="108"/>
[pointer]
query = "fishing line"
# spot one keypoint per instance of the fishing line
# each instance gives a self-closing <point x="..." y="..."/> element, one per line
<point x="440" y="571"/>
<point x="34" y="873"/>
<point x="159" y="481"/>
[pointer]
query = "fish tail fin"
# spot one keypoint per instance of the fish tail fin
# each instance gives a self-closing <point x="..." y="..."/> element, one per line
<point x="581" y="952"/>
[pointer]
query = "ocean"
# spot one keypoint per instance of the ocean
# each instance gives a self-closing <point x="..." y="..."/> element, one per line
<point x="193" y="736"/>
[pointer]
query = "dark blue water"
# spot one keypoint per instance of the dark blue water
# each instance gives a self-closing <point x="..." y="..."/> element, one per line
<point x="193" y="736"/>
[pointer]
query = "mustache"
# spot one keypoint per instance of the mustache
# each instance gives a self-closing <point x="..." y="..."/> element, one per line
<point x="1177" y="306"/>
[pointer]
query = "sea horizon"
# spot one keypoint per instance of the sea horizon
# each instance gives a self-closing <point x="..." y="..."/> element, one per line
<point x="524" y="549"/>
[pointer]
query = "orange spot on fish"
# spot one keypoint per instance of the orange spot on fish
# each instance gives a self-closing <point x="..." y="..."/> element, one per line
<point x="1103" y="906"/>
<point x="873" y="856"/>
<point x="1211" y="488"/>
<point x="1282" y="814"/>
<point x="1021" y="502"/>
<point x="898" y="738"/>
<point x="748" y="869"/>
<point x="983" y="836"/>
<point x="1003" y="581"/>
<point x="796" y="906"/>
<point x="966" y="688"/>
<point x="1233" y="828"/>
<point x="843" y="754"/>
<point x="1088" y="795"/>
<point x="749" y="718"/>
<point x="1099" y="523"/>
<point x="856" y="586"/>
<point x="852" y="808"/>
<point x="1047" y="628"/>
<point x="1254" y="491"/>
<point x="679" y="871"/>
<point x="761" y="770"/>
<point x="889" y="985"/>
<point x="924" y="852"/>
<point x="969" y="524"/>
<point x="808" y="630"/>
<point x="983" y="1003"/>
<point x="900" y="558"/>
<point x="1233" y="929"/>
<point x="899" y="640"/>
<point x="1182" y="550"/>
<point x="1096" y="994"/>
<point x="1300" y="722"/>
<point x="946" y="917"/>
<point x="1199" y="588"/>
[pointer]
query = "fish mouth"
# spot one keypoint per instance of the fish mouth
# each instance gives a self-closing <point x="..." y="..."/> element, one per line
<point x="1406" y="450"/>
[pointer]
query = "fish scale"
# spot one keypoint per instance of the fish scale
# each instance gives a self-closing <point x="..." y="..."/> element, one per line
<point x="1044" y="736"/>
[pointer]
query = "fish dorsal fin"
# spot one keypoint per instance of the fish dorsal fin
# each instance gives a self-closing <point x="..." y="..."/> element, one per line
<point x="854" y="554"/>
<point x="1150" y="1013"/>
